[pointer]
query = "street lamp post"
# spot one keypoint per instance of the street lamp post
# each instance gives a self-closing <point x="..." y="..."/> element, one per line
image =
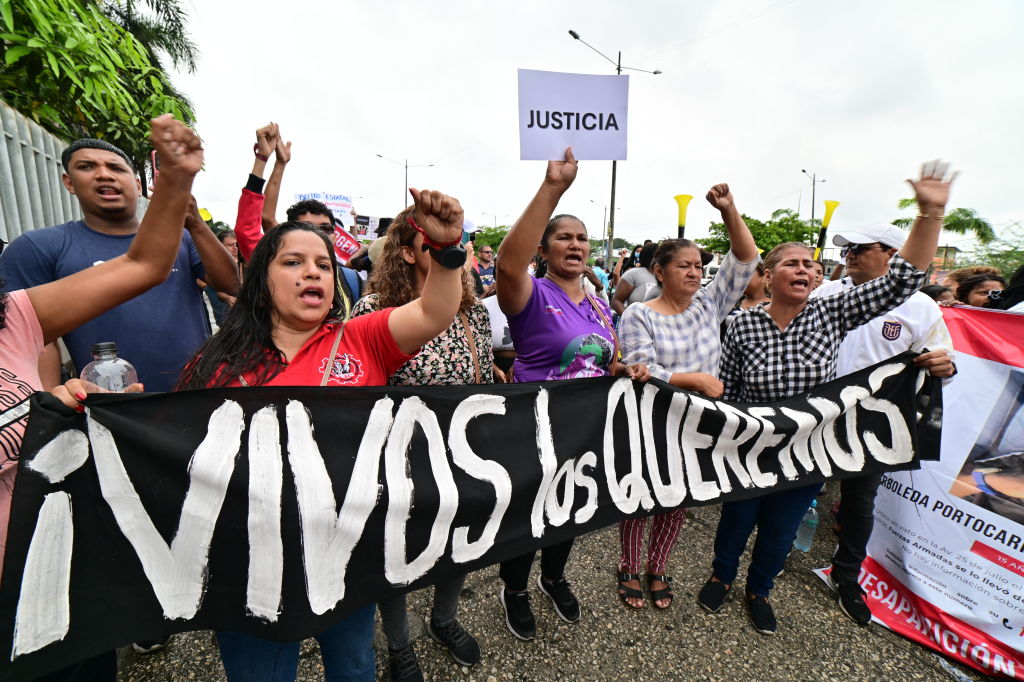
<point x="618" y="70"/>
<point x="405" y="164"/>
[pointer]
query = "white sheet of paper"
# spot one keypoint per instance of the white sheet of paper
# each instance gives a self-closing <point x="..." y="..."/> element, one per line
<point x="582" y="111"/>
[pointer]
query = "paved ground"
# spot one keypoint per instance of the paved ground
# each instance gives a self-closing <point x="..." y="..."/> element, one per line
<point x="815" y="640"/>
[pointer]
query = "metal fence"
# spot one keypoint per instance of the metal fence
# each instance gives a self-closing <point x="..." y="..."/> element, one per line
<point x="31" y="192"/>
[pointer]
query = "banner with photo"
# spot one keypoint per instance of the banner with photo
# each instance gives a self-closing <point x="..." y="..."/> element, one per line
<point x="276" y="511"/>
<point x="946" y="559"/>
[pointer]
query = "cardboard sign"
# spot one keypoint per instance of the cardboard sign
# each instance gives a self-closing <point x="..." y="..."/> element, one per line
<point x="585" y="112"/>
<point x="345" y="245"/>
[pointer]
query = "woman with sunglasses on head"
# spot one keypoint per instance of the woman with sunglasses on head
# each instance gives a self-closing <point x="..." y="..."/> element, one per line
<point x="459" y="355"/>
<point x="787" y="347"/>
<point x="287" y="329"/>
<point x="559" y="333"/>
<point x="677" y="336"/>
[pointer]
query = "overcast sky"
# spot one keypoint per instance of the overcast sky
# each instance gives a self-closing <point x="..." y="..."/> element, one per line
<point x="752" y="92"/>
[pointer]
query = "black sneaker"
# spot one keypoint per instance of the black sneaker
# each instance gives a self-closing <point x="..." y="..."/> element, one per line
<point x="713" y="595"/>
<point x="403" y="666"/>
<point x="761" y="614"/>
<point x="461" y="645"/>
<point x="851" y="600"/>
<point x="148" y="646"/>
<point x="562" y="598"/>
<point x="518" y="616"/>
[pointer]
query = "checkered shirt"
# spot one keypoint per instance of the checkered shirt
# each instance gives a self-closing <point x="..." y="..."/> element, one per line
<point x="687" y="341"/>
<point x="761" y="363"/>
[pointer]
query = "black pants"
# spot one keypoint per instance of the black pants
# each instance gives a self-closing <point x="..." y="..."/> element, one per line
<point x="856" y="519"/>
<point x="516" y="572"/>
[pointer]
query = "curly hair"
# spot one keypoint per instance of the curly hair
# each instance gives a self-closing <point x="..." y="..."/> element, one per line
<point x="394" y="280"/>
<point x="969" y="284"/>
<point x="245" y="343"/>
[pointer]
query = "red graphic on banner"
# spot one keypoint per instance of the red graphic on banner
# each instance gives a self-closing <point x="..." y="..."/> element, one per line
<point x="998" y="558"/>
<point x="345" y="245"/>
<point x="915" y="618"/>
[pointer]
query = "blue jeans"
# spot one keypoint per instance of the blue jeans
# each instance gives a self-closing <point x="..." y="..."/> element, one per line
<point x="777" y="517"/>
<point x="347" y="650"/>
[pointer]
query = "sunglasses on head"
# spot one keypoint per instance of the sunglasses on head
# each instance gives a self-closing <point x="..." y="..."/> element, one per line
<point x="857" y="249"/>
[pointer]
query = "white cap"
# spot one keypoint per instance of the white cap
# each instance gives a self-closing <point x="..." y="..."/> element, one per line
<point x="890" y="235"/>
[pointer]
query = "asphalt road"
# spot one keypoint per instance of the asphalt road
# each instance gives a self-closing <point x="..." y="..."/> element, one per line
<point x="815" y="640"/>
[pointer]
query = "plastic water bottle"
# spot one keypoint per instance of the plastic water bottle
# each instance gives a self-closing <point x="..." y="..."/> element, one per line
<point x="107" y="370"/>
<point x="805" y="534"/>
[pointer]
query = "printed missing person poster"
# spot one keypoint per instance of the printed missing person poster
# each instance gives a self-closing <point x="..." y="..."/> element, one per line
<point x="582" y="111"/>
<point x="946" y="558"/>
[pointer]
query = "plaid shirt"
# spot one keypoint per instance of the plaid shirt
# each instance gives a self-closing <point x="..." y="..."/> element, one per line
<point x="688" y="341"/>
<point x="761" y="363"/>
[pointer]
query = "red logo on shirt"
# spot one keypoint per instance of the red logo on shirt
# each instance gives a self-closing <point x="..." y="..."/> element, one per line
<point x="347" y="369"/>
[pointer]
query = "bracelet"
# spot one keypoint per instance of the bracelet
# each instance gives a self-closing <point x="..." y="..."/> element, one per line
<point x="256" y="151"/>
<point x="925" y="216"/>
<point x="427" y="241"/>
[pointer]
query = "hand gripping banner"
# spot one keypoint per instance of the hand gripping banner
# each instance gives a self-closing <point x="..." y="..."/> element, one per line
<point x="276" y="511"/>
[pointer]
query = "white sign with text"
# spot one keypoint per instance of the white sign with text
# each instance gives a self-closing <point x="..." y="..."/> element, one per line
<point x="582" y="111"/>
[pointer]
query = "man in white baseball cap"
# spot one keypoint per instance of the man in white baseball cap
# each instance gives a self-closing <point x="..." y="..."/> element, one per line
<point x="915" y="325"/>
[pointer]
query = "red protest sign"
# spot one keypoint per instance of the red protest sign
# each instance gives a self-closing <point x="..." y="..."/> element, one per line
<point x="345" y="245"/>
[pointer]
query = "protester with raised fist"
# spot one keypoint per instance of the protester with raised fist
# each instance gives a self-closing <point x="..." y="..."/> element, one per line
<point x="559" y="332"/>
<point x="33" y="317"/>
<point x="677" y="336"/>
<point x="785" y="348"/>
<point x="287" y="329"/>
<point x="459" y="355"/>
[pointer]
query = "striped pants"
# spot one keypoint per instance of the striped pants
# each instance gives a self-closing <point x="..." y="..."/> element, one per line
<point x="664" y="531"/>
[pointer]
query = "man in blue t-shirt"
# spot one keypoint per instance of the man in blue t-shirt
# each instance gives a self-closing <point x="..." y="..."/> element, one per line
<point x="157" y="331"/>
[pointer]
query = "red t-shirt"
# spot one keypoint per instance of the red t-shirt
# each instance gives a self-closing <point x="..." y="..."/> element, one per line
<point x="366" y="356"/>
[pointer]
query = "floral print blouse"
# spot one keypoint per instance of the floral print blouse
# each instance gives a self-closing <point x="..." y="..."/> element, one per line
<point x="444" y="360"/>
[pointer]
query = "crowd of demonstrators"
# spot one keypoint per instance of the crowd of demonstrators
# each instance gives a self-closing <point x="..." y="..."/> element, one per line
<point x="559" y="332"/>
<point x="787" y="347"/>
<point x="36" y="315"/>
<point x="535" y="311"/>
<point x="676" y="335"/>
<point x="917" y="325"/>
<point x="289" y="316"/>
<point x="459" y="355"/>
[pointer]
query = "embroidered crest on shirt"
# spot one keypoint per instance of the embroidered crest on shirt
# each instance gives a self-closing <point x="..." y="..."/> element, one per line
<point x="346" y="369"/>
<point x="553" y="310"/>
<point x="891" y="330"/>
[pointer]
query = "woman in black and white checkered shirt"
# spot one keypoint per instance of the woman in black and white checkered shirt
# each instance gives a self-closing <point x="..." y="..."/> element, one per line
<point x="785" y="347"/>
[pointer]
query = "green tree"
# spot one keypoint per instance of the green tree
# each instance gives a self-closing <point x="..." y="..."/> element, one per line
<point x="491" y="236"/>
<point x="69" y="67"/>
<point x="960" y="220"/>
<point x="163" y="34"/>
<point x="1005" y="252"/>
<point x="785" y="225"/>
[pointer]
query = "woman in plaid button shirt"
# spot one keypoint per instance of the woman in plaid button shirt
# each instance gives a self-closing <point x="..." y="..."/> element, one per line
<point x="786" y="347"/>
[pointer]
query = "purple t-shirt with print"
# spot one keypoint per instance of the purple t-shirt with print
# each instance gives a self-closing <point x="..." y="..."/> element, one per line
<point x="558" y="339"/>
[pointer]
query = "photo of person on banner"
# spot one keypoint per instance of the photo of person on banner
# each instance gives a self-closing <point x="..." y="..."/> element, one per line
<point x="993" y="473"/>
<point x="788" y="346"/>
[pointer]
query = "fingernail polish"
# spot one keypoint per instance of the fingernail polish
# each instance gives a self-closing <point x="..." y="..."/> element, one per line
<point x="80" y="408"/>
<point x="80" y="396"/>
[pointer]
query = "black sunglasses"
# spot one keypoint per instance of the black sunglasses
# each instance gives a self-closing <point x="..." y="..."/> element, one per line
<point x="857" y="249"/>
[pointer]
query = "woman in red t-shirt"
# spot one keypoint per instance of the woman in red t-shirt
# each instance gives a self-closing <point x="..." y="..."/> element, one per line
<point x="288" y="328"/>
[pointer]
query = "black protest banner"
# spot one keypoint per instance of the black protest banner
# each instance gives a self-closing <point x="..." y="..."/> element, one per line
<point x="277" y="511"/>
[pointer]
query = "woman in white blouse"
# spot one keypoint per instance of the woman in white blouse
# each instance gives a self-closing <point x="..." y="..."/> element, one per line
<point x="677" y="336"/>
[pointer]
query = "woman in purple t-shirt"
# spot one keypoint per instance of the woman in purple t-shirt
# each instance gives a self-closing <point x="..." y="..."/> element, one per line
<point x="559" y="332"/>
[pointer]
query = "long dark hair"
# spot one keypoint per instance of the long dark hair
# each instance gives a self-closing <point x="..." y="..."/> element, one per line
<point x="244" y="343"/>
<point x="968" y="285"/>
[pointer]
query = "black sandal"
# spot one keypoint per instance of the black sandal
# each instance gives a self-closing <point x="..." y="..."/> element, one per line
<point x="663" y="593"/>
<point x="626" y="592"/>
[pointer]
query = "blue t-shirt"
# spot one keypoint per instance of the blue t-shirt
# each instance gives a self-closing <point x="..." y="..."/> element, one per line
<point x="486" y="275"/>
<point x="157" y="331"/>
